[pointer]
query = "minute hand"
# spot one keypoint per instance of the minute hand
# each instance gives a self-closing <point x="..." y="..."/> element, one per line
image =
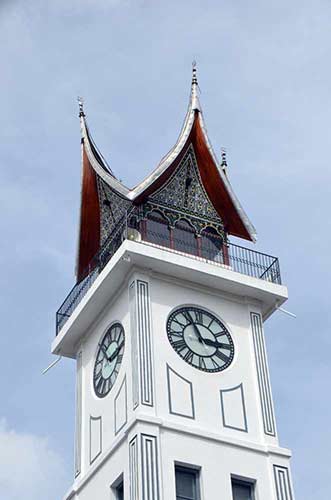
<point x="196" y="329"/>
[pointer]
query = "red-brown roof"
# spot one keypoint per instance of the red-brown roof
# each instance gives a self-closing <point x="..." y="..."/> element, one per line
<point x="215" y="182"/>
<point x="89" y="231"/>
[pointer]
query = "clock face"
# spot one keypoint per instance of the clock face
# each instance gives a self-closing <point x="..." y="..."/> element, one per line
<point x="200" y="338"/>
<point x="108" y="360"/>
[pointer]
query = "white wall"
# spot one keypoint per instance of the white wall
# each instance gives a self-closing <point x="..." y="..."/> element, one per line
<point x="217" y="448"/>
<point x="234" y="312"/>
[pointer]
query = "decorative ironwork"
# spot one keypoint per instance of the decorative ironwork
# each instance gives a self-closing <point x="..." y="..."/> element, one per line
<point x="185" y="192"/>
<point x="112" y="208"/>
<point x="207" y="246"/>
<point x="173" y="216"/>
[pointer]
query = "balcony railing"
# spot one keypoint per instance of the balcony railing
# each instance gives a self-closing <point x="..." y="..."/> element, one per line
<point x="208" y="248"/>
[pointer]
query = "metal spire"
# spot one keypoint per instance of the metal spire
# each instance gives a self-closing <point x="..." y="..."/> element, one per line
<point x="194" y="73"/>
<point x="195" y="104"/>
<point x="81" y="107"/>
<point x="224" y="164"/>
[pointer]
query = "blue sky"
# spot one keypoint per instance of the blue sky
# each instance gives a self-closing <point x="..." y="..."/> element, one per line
<point x="264" y="74"/>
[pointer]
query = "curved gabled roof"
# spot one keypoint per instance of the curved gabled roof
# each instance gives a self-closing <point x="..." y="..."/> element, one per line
<point x="216" y="183"/>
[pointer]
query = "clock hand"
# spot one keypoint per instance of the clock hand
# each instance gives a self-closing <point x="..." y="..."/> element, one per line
<point x="216" y="344"/>
<point x="117" y="350"/>
<point x="196" y="329"/>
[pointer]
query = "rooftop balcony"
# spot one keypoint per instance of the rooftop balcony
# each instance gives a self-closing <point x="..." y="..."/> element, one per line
<point x="207" y="247"/>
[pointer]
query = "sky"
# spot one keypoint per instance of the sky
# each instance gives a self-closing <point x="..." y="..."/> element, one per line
<point x="264" y="74"/>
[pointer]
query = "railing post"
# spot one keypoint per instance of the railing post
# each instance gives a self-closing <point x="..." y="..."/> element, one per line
<point x="126" y="225"/>
<point x="199" y="244"/>
<point x="225" y="251"/>
<point x="142" y="229"/>
<point x="171" y="237"/>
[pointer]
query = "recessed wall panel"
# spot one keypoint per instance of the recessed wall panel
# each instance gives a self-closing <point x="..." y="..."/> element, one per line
<point x="263" y="375"/>
<point x="233" y="408"/>
<point x="180" y="395"/>
<point x="120" y="407"/>
<point x="95" y="438"/>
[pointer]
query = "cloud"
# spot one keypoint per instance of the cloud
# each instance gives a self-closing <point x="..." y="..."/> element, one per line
<point x="28" y="467"/>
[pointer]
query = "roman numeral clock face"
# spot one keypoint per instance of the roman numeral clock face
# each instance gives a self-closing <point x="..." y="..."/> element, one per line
<point x="200" y="338"/>
<point x="108" y="360"/>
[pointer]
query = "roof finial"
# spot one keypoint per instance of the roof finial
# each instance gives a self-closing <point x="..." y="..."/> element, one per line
<point x="194" y="73"/>
<point x="195" y="105"/>
<point x="81" y="106"/>
<point x="224" y="164"/>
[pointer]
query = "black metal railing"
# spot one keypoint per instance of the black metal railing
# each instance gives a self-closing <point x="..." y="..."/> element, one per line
<point x="208" y="247"/>
<point x="255" y="264"/>
<point x="95" y="267"/>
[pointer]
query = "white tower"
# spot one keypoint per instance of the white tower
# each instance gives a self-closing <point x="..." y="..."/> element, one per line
<point x="166" y="326"/>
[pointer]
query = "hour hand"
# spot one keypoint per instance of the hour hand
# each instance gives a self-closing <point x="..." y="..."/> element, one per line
<point x="216" y="344"/>
<point x="117" y="350"/>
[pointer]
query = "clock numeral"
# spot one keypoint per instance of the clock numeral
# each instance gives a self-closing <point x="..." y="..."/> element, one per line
<point x="99" y="385"/>
<point x="113" y="377"/>
<point x="182" y="325"/>
<point x="176" y="334"/>
<point x="222" y="356"/>
<point x="189" y="356"/>
<point x="114" y="333"/>
<point x="179" y="345"/>
<point x="210" y="323"/>
<point x="202" y="363"/>
<point x="118" y="334"/>
<point x="220" y="334"/>
<point x="119" y="358"/>
<point x="187" y="316"/>
<point x="99" y="361"/>
<point x="198" y="316"/>
<point x="215" y="364"/>
<point x="221" y="345"/>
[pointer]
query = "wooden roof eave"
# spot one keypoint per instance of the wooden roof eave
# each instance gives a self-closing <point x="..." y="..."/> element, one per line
<point x="100" y="168"/>
<point x="246" y="229"/>
<point x="89" y="219"/>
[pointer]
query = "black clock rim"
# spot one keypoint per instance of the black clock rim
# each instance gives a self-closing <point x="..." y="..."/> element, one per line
<point x="97" y="393"/>
<point x="226" y="331"/>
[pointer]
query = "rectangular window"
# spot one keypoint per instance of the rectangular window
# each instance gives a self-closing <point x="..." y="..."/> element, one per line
<point x="187" y="484"/>
<point x="242" y="490"/>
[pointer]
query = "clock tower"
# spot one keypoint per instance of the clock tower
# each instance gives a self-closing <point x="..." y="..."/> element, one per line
<point x="165" y="323"/>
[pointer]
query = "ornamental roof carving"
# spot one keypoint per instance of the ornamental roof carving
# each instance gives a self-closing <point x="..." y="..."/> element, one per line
<point x="185" y="191"/>
<point x="104" y="199"/>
